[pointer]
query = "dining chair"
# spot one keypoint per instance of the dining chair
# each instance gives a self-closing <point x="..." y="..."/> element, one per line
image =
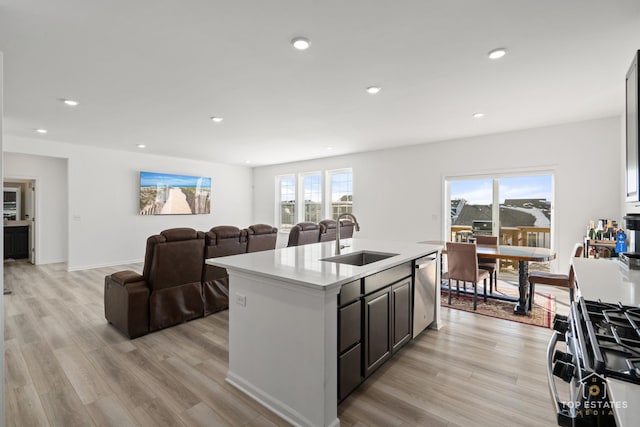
<point x="462" y="259"/>
<point x="491" y="265"/>
<point x="555" y="279"/>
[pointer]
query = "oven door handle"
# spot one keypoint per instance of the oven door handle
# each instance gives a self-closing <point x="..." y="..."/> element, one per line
<point x="563" y="412"/>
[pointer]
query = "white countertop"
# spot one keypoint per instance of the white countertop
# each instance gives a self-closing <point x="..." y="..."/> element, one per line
<point x="611" y="281"/>
<point x="626" y="398"/>
<point x="302" y="264"/>
<point x="607" y="280"/>
<point x="16" y="223"/>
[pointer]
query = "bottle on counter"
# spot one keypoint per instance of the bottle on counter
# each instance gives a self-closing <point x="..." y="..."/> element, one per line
<point x="621" y="238"/>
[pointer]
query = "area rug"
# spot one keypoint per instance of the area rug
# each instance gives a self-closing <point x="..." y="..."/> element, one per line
<point x="544" y="306"/>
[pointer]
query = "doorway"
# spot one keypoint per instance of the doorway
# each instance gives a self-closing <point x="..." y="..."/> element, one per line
<point x="19" y="215"/>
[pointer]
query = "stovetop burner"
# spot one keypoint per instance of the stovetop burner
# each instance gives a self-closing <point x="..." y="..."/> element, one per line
<point x="634" y="367"/>
<point x="613" y="334"/>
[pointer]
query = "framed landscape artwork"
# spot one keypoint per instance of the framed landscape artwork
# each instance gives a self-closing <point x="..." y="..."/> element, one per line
<point x="167" y="194"/>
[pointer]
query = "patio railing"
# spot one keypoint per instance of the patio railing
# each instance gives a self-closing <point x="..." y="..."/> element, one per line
<point x="513" y="236"/>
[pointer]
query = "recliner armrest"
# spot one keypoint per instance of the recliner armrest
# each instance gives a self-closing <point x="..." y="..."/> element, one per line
<point x="127" y="276"/>
<point x="126" y="303"/>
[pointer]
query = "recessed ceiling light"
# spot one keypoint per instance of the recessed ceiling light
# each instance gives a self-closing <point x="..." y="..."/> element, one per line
<point x="70" y="102"/>
<point x="373" y="89"/>
<point x="247" y="161"/>
<point x="216" y="119"/>
<point x="141" y="146"/>
<point x="43" y="131"/>
<point x="478" y="115"/>
<point x="329" y="148"/>
<point x="497" y="53"/>
<point x="301" y="43"/>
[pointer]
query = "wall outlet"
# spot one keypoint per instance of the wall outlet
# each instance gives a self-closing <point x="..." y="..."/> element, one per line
<point x="241" y="300"/>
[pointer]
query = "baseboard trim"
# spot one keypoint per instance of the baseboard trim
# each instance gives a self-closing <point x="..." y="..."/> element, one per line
<point x="108" y="264"/>
<point x="274" y="405"/>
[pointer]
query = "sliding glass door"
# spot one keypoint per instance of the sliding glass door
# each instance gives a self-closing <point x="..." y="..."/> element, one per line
<point x="516" y="208"/>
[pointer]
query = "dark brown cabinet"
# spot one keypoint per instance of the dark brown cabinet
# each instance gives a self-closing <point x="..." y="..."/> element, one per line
<point x="350" y="323"/>
<point x="401" y="309"/>
<point x="16" y="242"/>
<point x="349" y="371"/>
<point x="632" y="129"/>
<point x="377" y="329"/>
<point x="349" y="338"/>
<point x="374" y="321"/>
<point x="387" y="323"/>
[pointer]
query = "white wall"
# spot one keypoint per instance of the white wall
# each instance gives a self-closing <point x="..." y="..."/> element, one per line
<point x="399" y="193"/>
<point x="102" y="219"/>
<point x="50" y="174"/>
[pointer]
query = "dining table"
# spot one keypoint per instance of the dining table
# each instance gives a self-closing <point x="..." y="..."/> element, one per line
<point x="523" y="254"/>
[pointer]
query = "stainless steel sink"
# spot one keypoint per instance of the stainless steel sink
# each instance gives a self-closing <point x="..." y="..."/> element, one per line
<point x="359" y="258"/>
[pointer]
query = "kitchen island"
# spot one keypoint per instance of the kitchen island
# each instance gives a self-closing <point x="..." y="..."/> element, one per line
<point x="283" y="321"/>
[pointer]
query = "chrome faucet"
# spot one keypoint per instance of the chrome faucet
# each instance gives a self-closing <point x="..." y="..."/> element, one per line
<point x="356" y="225"/>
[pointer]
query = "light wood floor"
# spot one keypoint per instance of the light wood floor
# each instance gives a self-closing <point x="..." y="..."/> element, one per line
<point x="65" y="366"/>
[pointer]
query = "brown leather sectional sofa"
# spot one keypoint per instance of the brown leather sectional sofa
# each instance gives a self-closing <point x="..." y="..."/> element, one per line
<point x="176" y="285"/>
<point x="304" y="233"/>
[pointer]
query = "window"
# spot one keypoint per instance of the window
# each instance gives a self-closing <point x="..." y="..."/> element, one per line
<point x="312" y="187"/>
<point x="287" y="202"/>
<point x="341" y="188"/>
<point x="307" y="197"/>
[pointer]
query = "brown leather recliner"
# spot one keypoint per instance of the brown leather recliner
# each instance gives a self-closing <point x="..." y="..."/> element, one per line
<point x="168" y="292"/>
<point x="261" y="237"/>
<point x="304" y="233"/>
<point x="346" y="229"/>
<point x="328" y="230"/>
<point x="126" y="303"/>
<point x="220" y="241"/>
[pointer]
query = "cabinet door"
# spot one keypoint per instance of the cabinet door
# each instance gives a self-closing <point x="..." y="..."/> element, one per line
<point x="349" y="371"/>
<point x="349" y="325"/>
<point x="22" y="243"/>
<point x="9" y="243"/>
<point x="401" y="309"/>
<point x="377" y="329"/>
<point x="16" y="242"/>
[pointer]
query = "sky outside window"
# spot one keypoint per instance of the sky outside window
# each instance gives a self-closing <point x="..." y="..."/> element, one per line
<point x="313" y="188"/>
<point x="480" y="191"/>
<point x="525" y="187"/>
<point x="341" y="185"/>
<point x="474" y="191"/>
<point x="287" y="189"/>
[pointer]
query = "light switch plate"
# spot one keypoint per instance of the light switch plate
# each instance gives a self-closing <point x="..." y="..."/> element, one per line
<point x="241" y="300"/>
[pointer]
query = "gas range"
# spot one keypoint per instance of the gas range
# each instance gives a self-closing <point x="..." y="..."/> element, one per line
<point x="602" y="345"/>
<point x="614" y="336"/>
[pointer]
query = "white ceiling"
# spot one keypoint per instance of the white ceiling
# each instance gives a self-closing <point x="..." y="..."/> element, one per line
<point x="154" y="71"/>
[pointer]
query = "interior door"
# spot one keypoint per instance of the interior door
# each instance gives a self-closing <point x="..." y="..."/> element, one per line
<point x="30" y="209"/>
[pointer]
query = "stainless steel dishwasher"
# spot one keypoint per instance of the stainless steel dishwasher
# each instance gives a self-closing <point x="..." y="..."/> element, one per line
<point x="425" y="290"/>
